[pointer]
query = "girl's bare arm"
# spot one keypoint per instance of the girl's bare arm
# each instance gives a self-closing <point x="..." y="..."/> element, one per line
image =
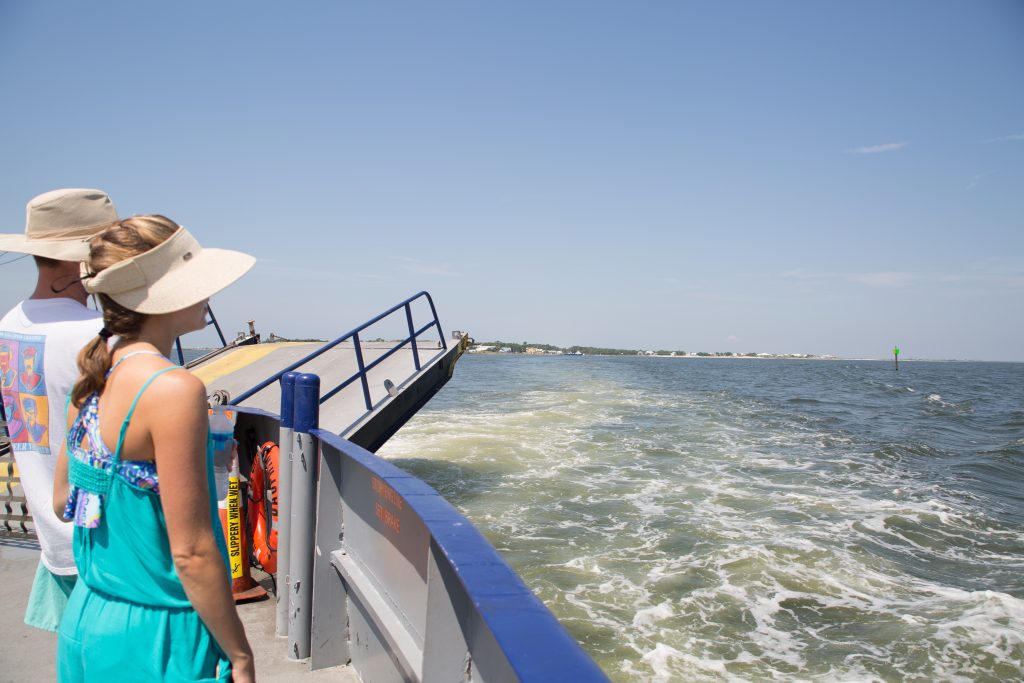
<point x="174" y="412"/>
<point x="60" y="474"/>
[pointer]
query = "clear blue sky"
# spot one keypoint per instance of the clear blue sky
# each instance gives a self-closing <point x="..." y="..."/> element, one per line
<point x="746" y="176"/>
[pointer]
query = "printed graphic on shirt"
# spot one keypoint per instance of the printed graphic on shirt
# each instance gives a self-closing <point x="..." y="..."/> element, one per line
<point x="23" y="386"/>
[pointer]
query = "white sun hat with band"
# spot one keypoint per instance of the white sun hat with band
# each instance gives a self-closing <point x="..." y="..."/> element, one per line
<point x="59" y="224"/>
<point x="173" y="275"/>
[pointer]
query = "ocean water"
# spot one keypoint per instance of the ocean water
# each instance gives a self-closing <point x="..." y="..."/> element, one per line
<point x="735" y="520"/>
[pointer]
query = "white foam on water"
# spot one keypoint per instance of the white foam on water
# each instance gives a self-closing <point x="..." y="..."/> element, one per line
<point x="582" y="564"/>
<point x="990" y="619"/>
<point x="645" y="499"/>
<point x="660" y="660"/>
<point x="667" y="664"/>
<point x="782" y="644"/>
<point x="651" y="615"/>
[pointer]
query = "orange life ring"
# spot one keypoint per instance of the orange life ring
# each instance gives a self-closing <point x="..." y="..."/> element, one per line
<point x="263" y="482"/>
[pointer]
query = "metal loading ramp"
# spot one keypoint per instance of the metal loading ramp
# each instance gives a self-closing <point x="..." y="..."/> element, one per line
<point x="345" y="413"/>
<point x="369" y="389"/>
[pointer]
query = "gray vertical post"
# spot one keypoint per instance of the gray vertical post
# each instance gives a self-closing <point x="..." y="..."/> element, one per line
<point x="284" y="498"/>
<point x="305" y="458"/>
<point x="329" y="634"/>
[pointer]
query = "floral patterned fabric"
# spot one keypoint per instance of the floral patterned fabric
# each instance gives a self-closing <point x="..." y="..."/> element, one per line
<point x="86" y="445"/>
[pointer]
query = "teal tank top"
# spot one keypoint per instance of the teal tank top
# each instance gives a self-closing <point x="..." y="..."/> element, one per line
<point x="125" y="552"/>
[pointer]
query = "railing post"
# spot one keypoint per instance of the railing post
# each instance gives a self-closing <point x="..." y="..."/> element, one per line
<point x="437" y="323"/>
<point x="412" y="337"/>
<point x="284" y="498"/>
<point x="305" y="459"/>
<point x="362" y="370"/>
<point x="213" y="321"/>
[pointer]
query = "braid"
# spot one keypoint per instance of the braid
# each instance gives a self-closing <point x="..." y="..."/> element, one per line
<point x="95" y="359"/>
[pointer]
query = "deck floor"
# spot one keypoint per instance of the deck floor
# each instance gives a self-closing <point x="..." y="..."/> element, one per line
<point x="28" y="654"/>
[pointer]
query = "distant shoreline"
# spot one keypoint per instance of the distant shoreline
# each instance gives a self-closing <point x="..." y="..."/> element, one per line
<point x="676" y="357"/>
<point x="739" y="357"/>
<point x="810" y="358"/>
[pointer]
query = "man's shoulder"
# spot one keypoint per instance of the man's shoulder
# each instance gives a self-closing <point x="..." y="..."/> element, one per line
<point x="61" y="309"/>
<point x="11" y="315"/>
<point x="51" y="318"/>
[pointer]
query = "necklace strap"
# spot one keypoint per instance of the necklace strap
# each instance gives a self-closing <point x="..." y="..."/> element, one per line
<point x="133" y="353"/>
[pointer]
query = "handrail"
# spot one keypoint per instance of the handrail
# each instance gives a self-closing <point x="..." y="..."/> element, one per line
<point x="414" y="334"/>
<point x="211" y="321"/>
<point x="366" y="368"/>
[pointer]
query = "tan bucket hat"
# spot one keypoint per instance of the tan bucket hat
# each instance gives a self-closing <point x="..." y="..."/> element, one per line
<point x="59" y="224"/>
<point x="173" y="275"/>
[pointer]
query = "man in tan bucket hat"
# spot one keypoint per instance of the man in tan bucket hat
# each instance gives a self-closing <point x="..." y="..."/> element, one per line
<point x="39" y="343"/>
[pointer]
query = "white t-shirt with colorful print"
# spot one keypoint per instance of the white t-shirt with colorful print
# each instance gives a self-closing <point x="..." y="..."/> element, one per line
<point x="39" y="344"/>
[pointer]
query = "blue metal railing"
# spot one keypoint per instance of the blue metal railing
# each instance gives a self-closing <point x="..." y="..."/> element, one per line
<point x="362" y="367"/>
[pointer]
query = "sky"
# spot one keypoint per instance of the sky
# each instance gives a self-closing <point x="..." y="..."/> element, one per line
<point x="785" y="177"/>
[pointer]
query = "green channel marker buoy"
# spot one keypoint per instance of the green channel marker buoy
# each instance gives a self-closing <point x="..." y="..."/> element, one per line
<point x="896" y="357"/>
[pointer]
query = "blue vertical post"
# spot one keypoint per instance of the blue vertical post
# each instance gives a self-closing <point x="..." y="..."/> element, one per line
<point x="437" y="323"/>
<point x="412" y="337"/>
<point x="213" y="321"/>
<point x="305" y="460"/>
<point x="284" y="498"/>
<point x="357" y="345"/>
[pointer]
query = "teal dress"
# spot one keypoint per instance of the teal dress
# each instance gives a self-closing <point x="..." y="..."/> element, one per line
<point x="128" y="617"/>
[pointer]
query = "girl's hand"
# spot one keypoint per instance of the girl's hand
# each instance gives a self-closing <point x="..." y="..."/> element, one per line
<point x="243" y="669"/>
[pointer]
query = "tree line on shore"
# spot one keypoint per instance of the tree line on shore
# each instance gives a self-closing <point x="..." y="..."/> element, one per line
<point x="533" y="347"/>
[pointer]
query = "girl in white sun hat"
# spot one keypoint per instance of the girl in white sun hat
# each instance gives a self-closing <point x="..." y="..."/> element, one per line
<point x="153" y="601"/>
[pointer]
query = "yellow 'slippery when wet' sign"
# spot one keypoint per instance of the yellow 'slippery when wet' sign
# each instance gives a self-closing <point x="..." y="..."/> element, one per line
<point x="234" y="528"/>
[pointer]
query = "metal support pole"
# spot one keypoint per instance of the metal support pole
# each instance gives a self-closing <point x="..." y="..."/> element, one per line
<point x="329" y="634"/>
<point x="284" y="498"/>
<point x="433" y="311"/>
<point x="305" y="460"/>
<point x="213" y="321"/>
<point x="362" y="370"/>
<point x="412" y="337"/>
